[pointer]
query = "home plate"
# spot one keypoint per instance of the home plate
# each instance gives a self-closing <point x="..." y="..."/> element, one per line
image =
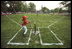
<point x="35" y="32"/>
<point x="36" y="41"/>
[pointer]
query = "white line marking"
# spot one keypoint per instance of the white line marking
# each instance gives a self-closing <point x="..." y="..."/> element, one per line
<point x="14" y="21"/>
<point x="13" y="37"/>
<point x="52" y="43"/>
<point x="14" y="43"/>
<point x="40" y="37"/>
<point x="55" y="35"/>
<point x="17" y="33"/>
<point x="18" y="43"/>
<point x="49" y="43"/>
<point x="30" y="36"/>
<point x="53" y="32"/>
<point x="52" y="24"/>
<point x="55" y="22"/>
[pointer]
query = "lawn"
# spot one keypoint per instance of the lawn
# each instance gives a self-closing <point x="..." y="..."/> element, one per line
<point x="62" y="29"/>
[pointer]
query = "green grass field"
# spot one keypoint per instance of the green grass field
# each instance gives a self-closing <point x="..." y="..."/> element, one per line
<point x="62" y="29"/>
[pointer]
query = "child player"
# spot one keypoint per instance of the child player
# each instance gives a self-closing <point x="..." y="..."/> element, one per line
<point x="25" y="22"/>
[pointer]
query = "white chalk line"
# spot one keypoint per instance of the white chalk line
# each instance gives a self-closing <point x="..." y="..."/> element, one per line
<point x="14" y="43"/>
<point x="40" y="36"/>
<point x="53" y="34"/>
<point x="16" y="34"/>
<point x="30" y="36"/>
<point x="42" y="43"/>
<point x="14" y="21"/>
<point x="52" y="43"/>
<point x="55" y="22"/>
<point x="13" y="37"/>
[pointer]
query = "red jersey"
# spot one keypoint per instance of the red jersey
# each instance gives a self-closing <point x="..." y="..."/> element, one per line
<point x="25" y="21"/>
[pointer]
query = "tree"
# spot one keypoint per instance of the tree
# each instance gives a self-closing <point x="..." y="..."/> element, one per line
<point x="4" y="8"/>
<point x="44" y="9"/>
<point x="67" y="4"/>
<point x="31" y="7"/>
<point x="61" y="10"/>
<point x="56" y="10"/>
<point x="15" y="6"/>
<point x="18" y="6"/>
<point x="24" y="7"/>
